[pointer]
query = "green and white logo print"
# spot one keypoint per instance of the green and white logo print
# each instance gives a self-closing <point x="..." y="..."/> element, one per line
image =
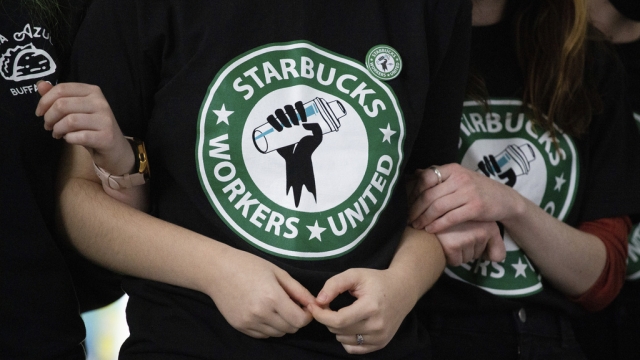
<point x="633" y="259"/>
<point x="299" y="149"/>
<point x="504" y="145"/>
<point x="384" y="62"/>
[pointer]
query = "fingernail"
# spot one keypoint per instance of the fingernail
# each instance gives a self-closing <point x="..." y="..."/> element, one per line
<point x="322" y="297"/>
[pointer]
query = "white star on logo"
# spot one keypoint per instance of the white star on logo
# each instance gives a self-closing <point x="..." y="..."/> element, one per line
<point x="387" y="134"/>
<point x="223" y="115"/>
<point x="316" y="231"/>
<point x="559" y="182"/>
<point x="520" y="268"/>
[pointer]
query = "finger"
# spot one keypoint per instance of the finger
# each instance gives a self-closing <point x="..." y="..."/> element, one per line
<point x="467" y="254"/>
<point x="294" y="316"/>
<point x="351" y="339"/>
<point x="480" y="243"/>
<point x="361" y="349"/>
<point x="343" y="320"/>
<point x="452" y="249"/>
<point x="295" y="290"/>
<point x="336" y="285"/>
<point x="453" y="213"/>
<point x="290" y="309"/>
<point x="421" y="212"/>
<point x="263" y="331"/>
<point x="43" y="87"/>
<point x="350" y="329"/>
<point x="277" y="322"/>
<point x="87" y="138"/>
<point x="77" y="122"/>
<point x="496" y="251"/>
<point x="66" y="106"/>
<point x="61" y="91"/>
<point x="425" y="179"/>
<point x="435" y="203"/>
<point x="454" y="258"/>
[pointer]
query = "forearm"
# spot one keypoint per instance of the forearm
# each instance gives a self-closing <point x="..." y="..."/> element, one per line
<point x="418" y="262"/>
<point x="570" y="259"/>
<point x="127" y="240"/>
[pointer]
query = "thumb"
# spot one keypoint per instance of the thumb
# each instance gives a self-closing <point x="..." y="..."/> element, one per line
<point x="43" y="87"/>
<point x="336" y="285"/>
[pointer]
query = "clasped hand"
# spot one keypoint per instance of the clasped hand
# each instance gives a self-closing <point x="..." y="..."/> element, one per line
<point x="461" y="211"/>
<point x="81" y="115"/>
<point x="261" y="300"/>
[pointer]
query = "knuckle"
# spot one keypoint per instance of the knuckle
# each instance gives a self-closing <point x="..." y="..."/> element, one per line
<point x="72" y="121"/>
<point x="81" y="137"/>
<point x="58" y="90"/>
<point x="437" y="206"/>
<point x="59" y="105"/>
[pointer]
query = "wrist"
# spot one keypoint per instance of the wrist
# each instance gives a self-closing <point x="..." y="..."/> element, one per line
<point x="128" y="167"/>
<point x="516" y="211"/>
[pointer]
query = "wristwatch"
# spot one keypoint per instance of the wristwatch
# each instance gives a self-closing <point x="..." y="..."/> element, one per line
<point x="126" y="181"/>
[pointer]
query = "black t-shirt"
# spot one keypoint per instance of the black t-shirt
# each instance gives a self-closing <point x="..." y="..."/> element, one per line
<point x="594" y="176"/>
<point x="39" y="270"/>
<point x="629" y="54"/>
<point x="39" y="312"/>
<point x="208" y="86"/>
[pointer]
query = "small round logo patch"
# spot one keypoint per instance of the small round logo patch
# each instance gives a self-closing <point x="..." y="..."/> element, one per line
<point x="384" y="62"/>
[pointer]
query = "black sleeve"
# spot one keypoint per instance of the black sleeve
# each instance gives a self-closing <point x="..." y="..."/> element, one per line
<point x="108" y="52"/>
<point x="446" y="91"/>
<point x="613" y="160"/>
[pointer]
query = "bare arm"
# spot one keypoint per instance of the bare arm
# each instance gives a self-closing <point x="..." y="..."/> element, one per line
<point x="618" y="28"/>
<point x="570" y="259"/>
<point x="129" y="241"/>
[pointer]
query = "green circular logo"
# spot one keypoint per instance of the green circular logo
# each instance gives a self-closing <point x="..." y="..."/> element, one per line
<point x="299" y="149"/>
<point x="384" y="62"/>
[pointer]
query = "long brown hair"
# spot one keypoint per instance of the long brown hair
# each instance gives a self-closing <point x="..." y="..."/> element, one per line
<point x="554" y="53"/>
<point x="552" y="46"/>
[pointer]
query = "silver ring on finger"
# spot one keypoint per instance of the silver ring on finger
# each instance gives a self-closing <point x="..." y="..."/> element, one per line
<point x="437" y="172"/>
<point x="359" y="339"/>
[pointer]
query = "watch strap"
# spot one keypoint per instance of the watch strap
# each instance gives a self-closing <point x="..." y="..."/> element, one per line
<point x="118" y="182"/>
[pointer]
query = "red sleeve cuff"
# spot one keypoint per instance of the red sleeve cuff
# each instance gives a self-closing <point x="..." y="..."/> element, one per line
<point x="614" y="233"/>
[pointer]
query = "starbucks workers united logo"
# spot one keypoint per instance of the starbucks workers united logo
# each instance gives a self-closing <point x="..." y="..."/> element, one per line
<point x="505" y="145"/>
<point x="299" y="149"/>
